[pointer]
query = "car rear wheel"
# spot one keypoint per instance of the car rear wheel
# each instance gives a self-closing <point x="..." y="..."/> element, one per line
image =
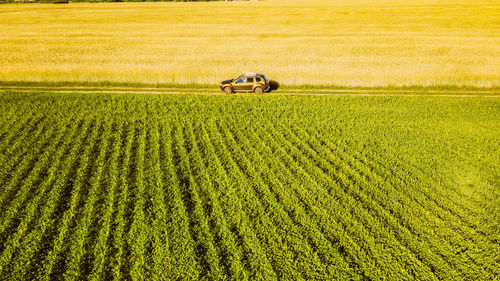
<point x="258" y="90"/>
<point x="228" y="90"/>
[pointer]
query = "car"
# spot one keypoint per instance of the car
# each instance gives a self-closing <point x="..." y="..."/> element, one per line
<point x="247" y="82"/>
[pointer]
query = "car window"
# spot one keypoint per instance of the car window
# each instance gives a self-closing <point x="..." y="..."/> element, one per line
<point x="249" y="79"/>
<point x="257" y="79"/>
<point x="240" y="80"/>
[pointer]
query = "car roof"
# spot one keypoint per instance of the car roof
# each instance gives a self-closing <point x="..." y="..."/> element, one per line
<point x="252" y="74"/>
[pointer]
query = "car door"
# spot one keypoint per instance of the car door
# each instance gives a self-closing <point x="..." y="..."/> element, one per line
<point x="249" y="83"/>
<point x="239" y="84"/>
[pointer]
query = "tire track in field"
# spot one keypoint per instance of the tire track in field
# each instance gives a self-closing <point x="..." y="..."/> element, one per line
<point x="215" y="89"/>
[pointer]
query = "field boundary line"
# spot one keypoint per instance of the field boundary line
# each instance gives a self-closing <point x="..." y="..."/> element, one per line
<point x="363" y="93"/>
<point x="215" y="88"/>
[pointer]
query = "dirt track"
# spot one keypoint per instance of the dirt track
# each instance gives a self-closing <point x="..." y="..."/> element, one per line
<point x="288" y="92"/>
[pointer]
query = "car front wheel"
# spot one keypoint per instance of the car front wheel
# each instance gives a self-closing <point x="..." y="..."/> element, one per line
<point x="258" y="90"/>
<point x="228" y="90"/>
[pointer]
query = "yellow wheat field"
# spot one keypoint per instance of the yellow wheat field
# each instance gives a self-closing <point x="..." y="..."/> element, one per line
<point x="348" y="43"/>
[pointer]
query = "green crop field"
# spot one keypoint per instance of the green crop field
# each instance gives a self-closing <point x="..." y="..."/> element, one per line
<point x="169" y="187"/>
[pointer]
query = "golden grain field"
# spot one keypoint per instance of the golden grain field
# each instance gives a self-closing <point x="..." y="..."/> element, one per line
<point x="346" y="43"/>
